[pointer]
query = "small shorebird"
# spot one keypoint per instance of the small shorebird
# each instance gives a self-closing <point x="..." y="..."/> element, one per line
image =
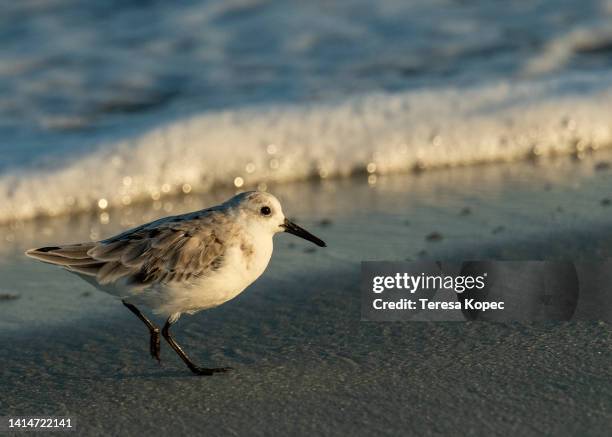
<point x="184" y="263"/>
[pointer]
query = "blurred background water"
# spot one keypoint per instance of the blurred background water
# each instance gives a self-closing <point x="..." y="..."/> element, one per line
<point x="154" y="98"/>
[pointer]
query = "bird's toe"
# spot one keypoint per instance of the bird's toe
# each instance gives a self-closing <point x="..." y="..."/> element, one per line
<point x="222" y="369"/>
<point x="203" y="371"/>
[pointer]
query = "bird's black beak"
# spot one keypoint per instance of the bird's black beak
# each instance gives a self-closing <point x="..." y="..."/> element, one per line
<point x="294" y="229"/>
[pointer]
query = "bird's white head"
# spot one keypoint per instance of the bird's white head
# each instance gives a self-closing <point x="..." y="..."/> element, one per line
<point x="263" y="211"/>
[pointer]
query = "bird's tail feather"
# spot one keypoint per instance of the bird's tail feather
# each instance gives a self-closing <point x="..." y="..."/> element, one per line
<point x="74" y="257"/>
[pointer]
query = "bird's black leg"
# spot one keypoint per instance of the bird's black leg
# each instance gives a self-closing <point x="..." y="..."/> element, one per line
<point x="195" y="369"/>
<point x="154" y="343"/>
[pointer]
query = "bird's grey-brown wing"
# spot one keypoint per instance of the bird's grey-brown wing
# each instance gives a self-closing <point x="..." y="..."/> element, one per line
<point x="176" y="250"/>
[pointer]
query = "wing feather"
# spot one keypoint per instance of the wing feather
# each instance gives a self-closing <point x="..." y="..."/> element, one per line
<point x="88" y="270"/>
<point x="176" y="249"/>
<point x="108" y="252"/>
<point x="133" y="252"/>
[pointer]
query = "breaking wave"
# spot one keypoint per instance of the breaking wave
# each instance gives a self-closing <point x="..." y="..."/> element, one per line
<point x="376" y="133"/>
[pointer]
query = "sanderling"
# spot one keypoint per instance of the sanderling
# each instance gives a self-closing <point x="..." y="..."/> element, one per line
<point x="184" y="263"/>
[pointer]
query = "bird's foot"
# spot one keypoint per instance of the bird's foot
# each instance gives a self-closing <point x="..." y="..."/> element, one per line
<point x="155" y="345"/>
<point x="203" y="371"/>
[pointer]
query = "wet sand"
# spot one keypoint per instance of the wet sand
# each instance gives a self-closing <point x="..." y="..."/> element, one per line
<point x="304" y="362"/>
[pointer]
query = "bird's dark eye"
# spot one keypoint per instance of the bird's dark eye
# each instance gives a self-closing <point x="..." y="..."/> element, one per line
<point x="265" y="210"/>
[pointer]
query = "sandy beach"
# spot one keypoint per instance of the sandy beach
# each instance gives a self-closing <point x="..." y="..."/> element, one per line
<point x="304" y="362"/>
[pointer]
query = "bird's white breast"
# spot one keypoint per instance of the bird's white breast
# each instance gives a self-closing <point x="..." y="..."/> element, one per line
<point x="245" y="262"/>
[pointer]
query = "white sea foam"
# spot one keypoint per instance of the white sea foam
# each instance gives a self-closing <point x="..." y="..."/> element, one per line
<point x="379" y="133"/>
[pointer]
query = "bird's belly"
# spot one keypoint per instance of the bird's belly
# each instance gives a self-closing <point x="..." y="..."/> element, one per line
<point x="236" y="273"/>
